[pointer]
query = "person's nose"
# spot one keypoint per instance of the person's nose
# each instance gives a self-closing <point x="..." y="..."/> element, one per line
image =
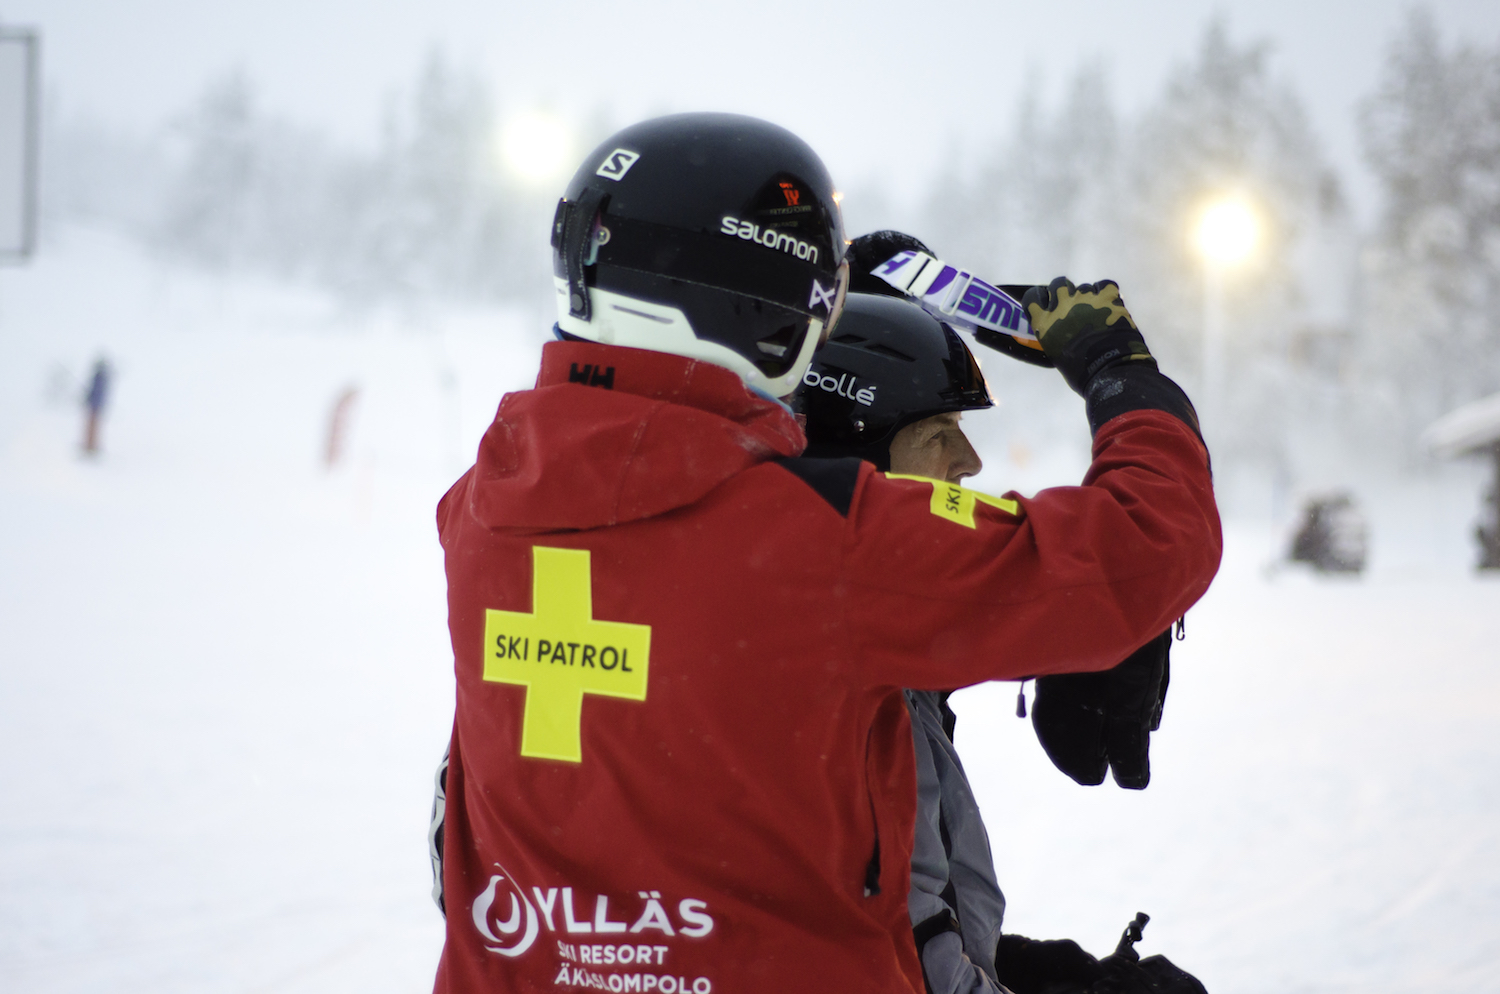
<point x="966" y="461"/>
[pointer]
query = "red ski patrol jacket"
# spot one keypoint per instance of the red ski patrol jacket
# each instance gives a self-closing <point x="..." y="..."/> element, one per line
<point x="681" y="762"/>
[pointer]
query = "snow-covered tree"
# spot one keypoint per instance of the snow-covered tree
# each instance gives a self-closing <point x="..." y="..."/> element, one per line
<point x="1075" y="190"/>
<point x="1067" y="172"/>
<point x="213" y="200"/>
<point x="428" y="214"/>
<point x="92" y="171"/>
<point x="1038" y="203"/>
<point x="1432" y="134"/>
<point x="250" y="191"/>
<point x="1224" y="127"/>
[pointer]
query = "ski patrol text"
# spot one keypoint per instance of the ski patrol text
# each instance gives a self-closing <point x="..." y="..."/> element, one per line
<point x="604" y="657"/>
<point x="560" y="653"/>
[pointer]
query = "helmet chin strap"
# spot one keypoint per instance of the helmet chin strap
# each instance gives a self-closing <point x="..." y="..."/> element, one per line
<point x="788" y="382"/>
<point x="765" y="396"/>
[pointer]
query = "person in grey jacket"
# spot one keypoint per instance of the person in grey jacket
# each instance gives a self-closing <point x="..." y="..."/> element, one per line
<point x="896" y="380"/>
<point x="890" y="387"/>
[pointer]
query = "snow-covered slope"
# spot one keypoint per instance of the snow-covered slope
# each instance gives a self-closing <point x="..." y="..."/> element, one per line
<point x="1321" y="815"/>
<point x="225" y="680"/>
<point x="224" y="674"/>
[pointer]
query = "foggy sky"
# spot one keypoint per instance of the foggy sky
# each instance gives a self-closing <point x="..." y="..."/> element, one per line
<point x="883" y="90"/>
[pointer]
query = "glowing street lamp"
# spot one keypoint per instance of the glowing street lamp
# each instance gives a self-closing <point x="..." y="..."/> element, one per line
<point x="537" y="147"/>
<point x="1228" y="232"/>
<point x="1226" y="236"/>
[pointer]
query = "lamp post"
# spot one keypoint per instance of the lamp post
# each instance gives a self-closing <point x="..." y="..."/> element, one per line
<point x="1226" y="236"/>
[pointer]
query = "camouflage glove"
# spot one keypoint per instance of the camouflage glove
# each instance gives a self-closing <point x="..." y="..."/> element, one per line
<point x="1090" y="722"/>
<point x="1084" y="330"/>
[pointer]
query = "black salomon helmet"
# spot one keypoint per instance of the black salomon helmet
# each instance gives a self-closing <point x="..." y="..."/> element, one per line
<point x="712" y="236"/>
<point x="889" y="363"/>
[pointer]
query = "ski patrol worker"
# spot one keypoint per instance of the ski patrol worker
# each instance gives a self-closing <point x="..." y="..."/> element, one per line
<point x="890" y="387"/>
<point x="681" y="759"/>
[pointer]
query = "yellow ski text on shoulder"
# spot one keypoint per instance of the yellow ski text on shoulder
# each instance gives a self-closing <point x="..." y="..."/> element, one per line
<point x="956" y="503"/>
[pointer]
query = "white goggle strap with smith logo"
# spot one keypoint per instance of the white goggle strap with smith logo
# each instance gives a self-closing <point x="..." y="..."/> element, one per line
<point x="953" y="295"/>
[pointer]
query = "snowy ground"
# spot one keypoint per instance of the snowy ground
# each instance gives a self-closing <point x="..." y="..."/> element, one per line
<point x="224" y="680"/>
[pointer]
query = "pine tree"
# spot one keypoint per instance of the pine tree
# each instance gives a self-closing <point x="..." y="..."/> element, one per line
<point x="1432" y="134"/>
<point x="213" y="199"/>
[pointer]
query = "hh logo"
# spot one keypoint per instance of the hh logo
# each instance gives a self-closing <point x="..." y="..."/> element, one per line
<point x="559" y="653"/>
<point x="617" y="163"/>
<point x="592" y="376"/>
<point x="791" y="193"/>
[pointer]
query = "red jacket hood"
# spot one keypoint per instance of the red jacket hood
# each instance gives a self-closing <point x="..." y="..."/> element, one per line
<point x="612" y="434"/>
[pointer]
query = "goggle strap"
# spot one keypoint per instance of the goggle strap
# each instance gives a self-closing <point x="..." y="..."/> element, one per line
<point x="572" y="237"/>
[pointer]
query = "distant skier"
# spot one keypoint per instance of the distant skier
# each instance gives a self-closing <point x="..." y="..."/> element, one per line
<point x="94" y="401"/>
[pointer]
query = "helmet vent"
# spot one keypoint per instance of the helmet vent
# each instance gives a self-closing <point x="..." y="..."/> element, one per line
<point x="880" y="348"/>
<point x="642" y="314"/>
<point x="780" y="347"/>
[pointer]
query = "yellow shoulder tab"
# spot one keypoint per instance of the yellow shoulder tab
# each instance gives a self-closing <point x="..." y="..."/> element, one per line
<point x="956" y="503"/>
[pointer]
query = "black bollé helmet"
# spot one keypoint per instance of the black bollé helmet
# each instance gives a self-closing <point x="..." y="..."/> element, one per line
<point x="712" y="236"/>
<point x="889" y="363"/>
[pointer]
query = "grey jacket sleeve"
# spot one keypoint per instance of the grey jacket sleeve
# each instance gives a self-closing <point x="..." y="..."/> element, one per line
<point x="955" y="904"/>
<point x="435" y="830"/>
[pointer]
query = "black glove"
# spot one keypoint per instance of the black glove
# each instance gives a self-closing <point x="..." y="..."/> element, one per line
<point x="1088" y="722"/>
<point x="1126" y="973"/>
<point x="1084" y="330"/>
<point x="1052" y="966"/>
<point x="1152" y="975"/>
<point x="868" y="251"/>
<point x="1060" y="966"/>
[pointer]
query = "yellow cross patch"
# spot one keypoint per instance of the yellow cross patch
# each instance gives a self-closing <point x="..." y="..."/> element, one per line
<point x="956" y="503"/>
<point x="559" y="653"/>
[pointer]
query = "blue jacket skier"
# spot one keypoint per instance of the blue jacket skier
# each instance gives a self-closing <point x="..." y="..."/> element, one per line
<point x="94" y="400"/>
